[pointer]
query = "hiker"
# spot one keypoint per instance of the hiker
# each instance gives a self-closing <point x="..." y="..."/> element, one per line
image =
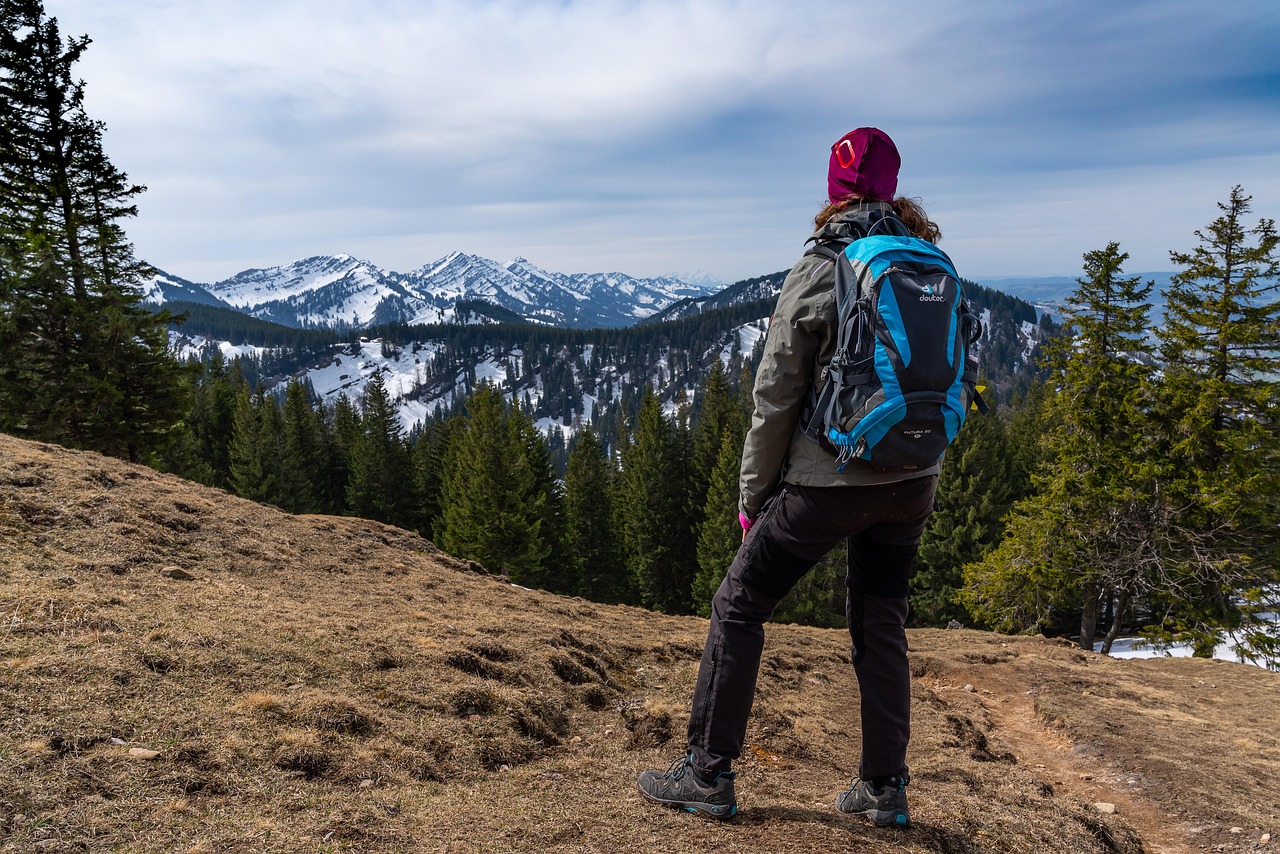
<point x="795" y="505"/>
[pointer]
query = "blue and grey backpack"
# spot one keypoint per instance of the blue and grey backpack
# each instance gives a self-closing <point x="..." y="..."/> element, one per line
<point x="904" y="373"/>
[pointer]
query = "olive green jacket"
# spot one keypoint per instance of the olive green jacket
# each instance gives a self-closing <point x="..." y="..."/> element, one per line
<point x="801" y="340"/>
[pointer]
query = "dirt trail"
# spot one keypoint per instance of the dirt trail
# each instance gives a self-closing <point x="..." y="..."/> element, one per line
<point x="1058" y="762"/>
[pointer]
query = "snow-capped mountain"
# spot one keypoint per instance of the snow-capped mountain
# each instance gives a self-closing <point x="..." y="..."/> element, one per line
<point x="342" y="291"/>
<point x="162" y="288"/>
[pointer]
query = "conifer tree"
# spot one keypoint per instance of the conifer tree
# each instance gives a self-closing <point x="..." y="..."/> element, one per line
<point x="379" y="477"/>
<point x="544" y="491"/>
<point x="340" y="447"/>
<point x="720" y="534"/>
<point x="594" y="550"/>
<point x="250" y="448"/>
<point x="492" y="512"/>
<point x="1220" y="407"/>
<point x="81" y="361"/>
<point x="717" y="407"/>
<point x="1083" y="533"/>
<point x="981" y="479"/>
<point x="659" y="539"/>
<point x="302" y="472"/>
<point x="212" y="415"/>
<point x="430" y="452"/>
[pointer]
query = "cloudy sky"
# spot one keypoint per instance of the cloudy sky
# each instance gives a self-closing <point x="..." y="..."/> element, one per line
<point x="649" y="137"/>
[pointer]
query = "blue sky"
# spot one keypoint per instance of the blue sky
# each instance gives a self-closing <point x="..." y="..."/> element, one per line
<point x="656" y="137"/>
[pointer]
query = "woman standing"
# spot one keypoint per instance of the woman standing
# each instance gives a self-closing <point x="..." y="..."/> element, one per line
<point x="795" y="506"/>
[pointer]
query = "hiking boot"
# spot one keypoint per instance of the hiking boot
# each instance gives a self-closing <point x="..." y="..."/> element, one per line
<point x="883" y="800"/>
<point x="679" y="786"/>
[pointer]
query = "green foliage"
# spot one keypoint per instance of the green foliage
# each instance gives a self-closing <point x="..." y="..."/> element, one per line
<point x="81" y="362"/>
<point x="594" y="550"/>
<point x="378" y="487"/>
<point x="654" y="509"/>
<point x="1093" y="494"/>
<point x="720" y="533"/>
<point x="493" y="511"/>
<point x="1219" y="410"/>
<point x="430" y="453"/>
<point x="981" y="479"/>
<point x="1156" y="492"/>
<point x="303" y="461"/>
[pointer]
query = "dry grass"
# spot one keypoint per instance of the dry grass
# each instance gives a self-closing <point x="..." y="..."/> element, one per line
<point x="331" y="684"/>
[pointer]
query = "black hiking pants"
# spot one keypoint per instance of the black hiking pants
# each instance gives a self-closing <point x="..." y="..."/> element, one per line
<point x="799" y="525"/>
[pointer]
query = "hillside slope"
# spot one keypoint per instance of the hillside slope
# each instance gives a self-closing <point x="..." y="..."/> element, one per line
<point x="333" y="684"/>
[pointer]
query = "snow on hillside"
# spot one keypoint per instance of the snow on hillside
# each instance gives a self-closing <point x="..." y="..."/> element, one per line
<point x="744" y="340"/>
<point x="342" y="291"/>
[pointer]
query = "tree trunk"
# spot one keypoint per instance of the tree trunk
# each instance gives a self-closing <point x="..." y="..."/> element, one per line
<point x="1089" y="616"/>
<point x="1122" y="605"/>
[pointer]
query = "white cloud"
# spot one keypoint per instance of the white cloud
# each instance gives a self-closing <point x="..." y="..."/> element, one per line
<point x="660" y="133"/>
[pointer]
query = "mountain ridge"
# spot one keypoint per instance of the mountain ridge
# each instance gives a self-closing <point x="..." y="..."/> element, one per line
<point x="342" y="291"/>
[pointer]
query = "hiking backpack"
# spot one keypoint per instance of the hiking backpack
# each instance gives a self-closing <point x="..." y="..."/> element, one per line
<point x="904" y="373"/>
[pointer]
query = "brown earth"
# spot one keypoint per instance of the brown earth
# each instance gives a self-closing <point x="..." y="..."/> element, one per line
<point x="333" y="684"/>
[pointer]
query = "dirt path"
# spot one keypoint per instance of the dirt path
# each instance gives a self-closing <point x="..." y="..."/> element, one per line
<point x="1057" y="761"/>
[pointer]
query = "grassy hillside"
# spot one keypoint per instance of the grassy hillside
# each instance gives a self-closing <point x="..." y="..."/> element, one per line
<point x="181" y="670"/>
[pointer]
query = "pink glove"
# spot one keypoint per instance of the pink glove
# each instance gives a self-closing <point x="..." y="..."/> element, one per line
<point x="745" y="521"/>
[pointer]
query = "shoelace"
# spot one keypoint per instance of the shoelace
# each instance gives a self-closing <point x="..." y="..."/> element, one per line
<point x="677" y="769"/>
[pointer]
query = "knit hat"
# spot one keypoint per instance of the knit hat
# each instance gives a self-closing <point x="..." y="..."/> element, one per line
<point x="864" y="162"/>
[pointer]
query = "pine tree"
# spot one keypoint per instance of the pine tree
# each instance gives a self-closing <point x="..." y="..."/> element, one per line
<point x="379" y="477"/>
<point x="249" y="449"/>
<point x="302" y="474"/>
<point x="544" y="490"/>
<point x="1083" y="533"/>
<point x="341" y="440"/>
<point x="980" y="481"/>
<point x="656" y="531"/>
<point x="720" y="533"/>
<point x="717" y="407"/>
<point x="595" y="553"/>
<point x="1220" y="407"/>
<point x="492" y="512"/>
<point x="430" y="452"/>
<point x="81" y="361"/>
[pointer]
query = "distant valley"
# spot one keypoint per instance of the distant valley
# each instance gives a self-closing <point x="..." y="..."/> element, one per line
<point x="572" y="348"/>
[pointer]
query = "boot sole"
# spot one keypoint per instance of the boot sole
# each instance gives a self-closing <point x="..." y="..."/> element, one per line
<point x="714" y="810"/>
<point x="885" y="818"/>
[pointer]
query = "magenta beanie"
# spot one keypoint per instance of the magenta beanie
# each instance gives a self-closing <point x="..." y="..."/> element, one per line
<point x="864" y="162"/>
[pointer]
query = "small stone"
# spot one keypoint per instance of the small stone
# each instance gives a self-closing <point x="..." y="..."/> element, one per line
<point x="504" y="768"/>
<point x="608" y="732"/>
<point x="970" y="688"/>
<point x="177" y="573"/>
<point x="1264" y="839"/>
<point x="577" y="739"/>
<point x="118" y="742"/>
<point x="366" y="784"/>
<point x="143" y="753"/>
<point x="1105" y="808"/>
<point x="1237" y="830"/>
